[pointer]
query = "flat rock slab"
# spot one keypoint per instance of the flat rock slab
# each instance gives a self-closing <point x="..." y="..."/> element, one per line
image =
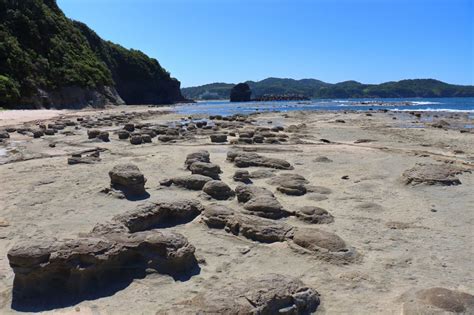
<point x="432" y="174"/>
<point x="245" y="159"/>
<point x="268" y="294"/>
<point x="192" y="182"/>
<point x="437" y="301"/>
<point x="129" y="179"/>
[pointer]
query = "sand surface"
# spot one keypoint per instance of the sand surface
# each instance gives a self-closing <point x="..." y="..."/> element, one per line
<point x="409" y="237"/>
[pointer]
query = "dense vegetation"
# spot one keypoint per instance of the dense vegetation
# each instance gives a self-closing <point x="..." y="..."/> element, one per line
<point x="42" y="51"/>
<point x="349" y="89"/>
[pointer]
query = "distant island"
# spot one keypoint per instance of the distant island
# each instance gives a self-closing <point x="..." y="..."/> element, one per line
<point x="276" y="88"/>
<point x="48" y="60"/>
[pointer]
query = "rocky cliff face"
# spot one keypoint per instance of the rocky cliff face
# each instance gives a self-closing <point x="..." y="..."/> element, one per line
<point x="240" y="93"/>
<point x="47" y="60"/>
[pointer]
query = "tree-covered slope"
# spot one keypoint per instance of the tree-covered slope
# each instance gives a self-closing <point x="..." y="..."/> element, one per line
<point x="45" y="60"/>
<point x="348" y="89"/>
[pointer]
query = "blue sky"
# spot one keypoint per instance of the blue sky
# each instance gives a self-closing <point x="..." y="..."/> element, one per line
<point x="371" y="41"/>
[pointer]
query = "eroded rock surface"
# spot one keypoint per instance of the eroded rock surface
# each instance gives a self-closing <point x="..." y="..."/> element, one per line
<point x="192" y="182"/>
<point x="268" y="294"/>
<point x="432" y="174"/>
<point x="246" y="159"/>
<point x="198" y="156"/>
<point x="437" y="301"/>
<point x="314" y="215"/>
<point x="254" y="228"/>
<point x="128" y="179"/>
<point x="206" y="169"/>
<point x="218" y="190"/>
<point x="260" y="201"/>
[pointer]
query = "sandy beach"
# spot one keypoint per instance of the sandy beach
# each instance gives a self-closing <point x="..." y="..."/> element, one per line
<point x="399" y="189"/>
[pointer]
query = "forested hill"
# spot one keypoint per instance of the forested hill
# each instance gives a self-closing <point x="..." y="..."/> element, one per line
<point x="47" y="60"/>
<point x="349" y="89"/>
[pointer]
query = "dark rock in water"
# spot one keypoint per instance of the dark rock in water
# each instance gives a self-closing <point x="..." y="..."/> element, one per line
<point x="136" y="139"/>
<point x="254" y="228"/>
<point x="242" y="176"/>
<point x="432" y="174"/>
<point x="260" y="201"/>
<point x="441" y="124"/>
<point x="218" y="190"/>
<point x="438" y="301"/>
<point x="123" y="134"/>
<point x="146" y="138"/>
<point x="167" y="138"/>
<point x="219" y="138"/>
<point x="245" y="159"/>
<point x="268" y="294"/>
<point x="93" y="133"/>
<point x="104" y="136"/>
<point x="38" y="133"/>
<point x="206" y="169"/>
<point x="128" y="179"/>
<point x="129" y="127"/>
<point x="192" y="182"/>
<point x="199" y="156"/>
<point x="240" y="93"/>
<point x="314" y="215"/>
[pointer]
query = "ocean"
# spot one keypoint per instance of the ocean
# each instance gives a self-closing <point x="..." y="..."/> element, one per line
<point x="225" y="108"/>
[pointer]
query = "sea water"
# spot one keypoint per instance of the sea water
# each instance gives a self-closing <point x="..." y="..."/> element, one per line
<point x="225" y="108"/>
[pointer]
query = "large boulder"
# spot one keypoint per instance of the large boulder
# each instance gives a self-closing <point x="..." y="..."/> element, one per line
<point x="128" y="179"/>
<point x="218" y="190"/>
<point x="218" y="138"/>
<point x="240" y="93"/>
<point x="267" y="294"/>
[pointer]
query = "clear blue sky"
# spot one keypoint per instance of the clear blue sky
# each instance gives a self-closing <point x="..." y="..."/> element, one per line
<point x="371" y="41"/>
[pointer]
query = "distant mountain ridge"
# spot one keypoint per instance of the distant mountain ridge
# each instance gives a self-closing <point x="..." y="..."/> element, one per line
<point x="48" y="60"/>
<point x="313" y="88"/>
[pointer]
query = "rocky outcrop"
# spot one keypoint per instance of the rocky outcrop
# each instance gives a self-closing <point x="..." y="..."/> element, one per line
<point x="206" y="169"/>
<point x="128" y="179"/>
<point x="46" y="269"/>
<point x="218" y="190"/>
<point x="257" y="229"/>
<point x="268" y="294"/>
<point x="260" y="201"/>
<point x="240" y="93"/>
<point x="198" y="156"/>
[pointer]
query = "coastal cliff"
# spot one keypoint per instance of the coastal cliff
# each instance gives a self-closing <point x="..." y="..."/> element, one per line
<point x="48" y="60"/>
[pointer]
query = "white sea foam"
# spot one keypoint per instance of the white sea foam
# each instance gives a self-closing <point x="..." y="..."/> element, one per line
<point x="425" y="103"/>
<point x="434" y="110"/>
